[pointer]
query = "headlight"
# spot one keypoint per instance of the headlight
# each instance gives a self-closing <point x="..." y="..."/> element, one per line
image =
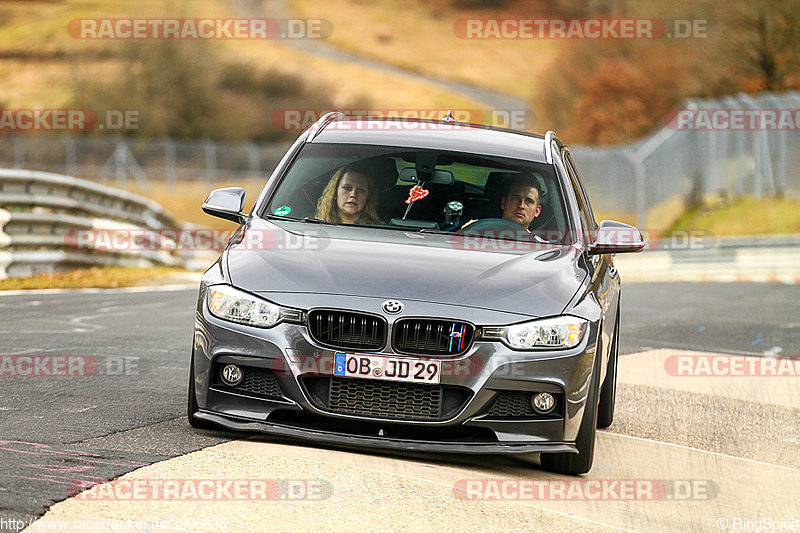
<point x="228" y="303"/>
<point x="560" y="332"/>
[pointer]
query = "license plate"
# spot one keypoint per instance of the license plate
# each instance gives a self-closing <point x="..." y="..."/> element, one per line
<point x="387" y="368"/>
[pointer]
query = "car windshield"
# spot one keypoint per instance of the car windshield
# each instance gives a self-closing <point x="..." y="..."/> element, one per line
<point x="423" y="190"/>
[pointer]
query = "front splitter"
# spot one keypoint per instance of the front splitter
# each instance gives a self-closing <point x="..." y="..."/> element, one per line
<point x="327" y="437"/>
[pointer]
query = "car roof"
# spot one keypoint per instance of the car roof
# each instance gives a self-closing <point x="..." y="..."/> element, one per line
<point x="433" y="134"/>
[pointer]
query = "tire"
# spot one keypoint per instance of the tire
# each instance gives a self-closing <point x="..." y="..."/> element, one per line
<point x="608" y="393"/>
<point x="581" y="462"/>
<point x="192" y="407"/>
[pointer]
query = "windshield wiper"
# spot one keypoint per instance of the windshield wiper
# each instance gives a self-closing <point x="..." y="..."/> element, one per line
<point x="312" y="220"/>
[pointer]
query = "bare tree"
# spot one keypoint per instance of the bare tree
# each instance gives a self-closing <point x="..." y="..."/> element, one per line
<point x="762" y="41"/>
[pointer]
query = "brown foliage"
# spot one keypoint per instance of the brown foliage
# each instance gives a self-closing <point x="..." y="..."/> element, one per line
<point x="182" y="89"/>
<point x="616" y="91"/>
<point x="610" y="93"/>
<point x="616" y="104"/>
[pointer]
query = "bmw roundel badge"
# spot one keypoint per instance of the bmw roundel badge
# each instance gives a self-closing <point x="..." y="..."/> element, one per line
<point x="392" y="306"/>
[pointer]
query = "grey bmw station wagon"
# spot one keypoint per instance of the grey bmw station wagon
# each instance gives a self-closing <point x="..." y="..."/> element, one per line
<point x="415" y="285"/>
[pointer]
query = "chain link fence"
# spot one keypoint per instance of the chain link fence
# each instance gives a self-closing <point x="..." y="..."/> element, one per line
<point x="696" y="155"/>
<point x="733" y="146"/>
<point x="119" y="159"/>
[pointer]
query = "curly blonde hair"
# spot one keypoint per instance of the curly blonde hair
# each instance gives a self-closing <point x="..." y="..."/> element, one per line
<point x="328" y="210"/>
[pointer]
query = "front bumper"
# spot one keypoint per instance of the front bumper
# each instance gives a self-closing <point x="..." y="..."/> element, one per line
<point x="472" y="425"/>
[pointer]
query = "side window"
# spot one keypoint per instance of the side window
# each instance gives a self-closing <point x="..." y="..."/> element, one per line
<point x="579" y="196"/>
<point x="576" y="177"/>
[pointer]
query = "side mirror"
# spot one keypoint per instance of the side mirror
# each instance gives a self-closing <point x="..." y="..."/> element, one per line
<point x="226" y="203"/>
<point x="616" y="237"/>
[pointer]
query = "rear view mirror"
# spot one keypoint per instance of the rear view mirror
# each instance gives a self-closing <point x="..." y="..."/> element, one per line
<point x="439" y="177"/>
<point x="226" y="203"/>
<point x="616" y="237"/>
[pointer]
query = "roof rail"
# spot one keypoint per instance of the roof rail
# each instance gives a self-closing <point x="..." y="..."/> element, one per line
<point x="548" y="146"/>
<point x="323" y="121"/>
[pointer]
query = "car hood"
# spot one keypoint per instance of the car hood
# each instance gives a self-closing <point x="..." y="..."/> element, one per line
<point x="404" y="265"/>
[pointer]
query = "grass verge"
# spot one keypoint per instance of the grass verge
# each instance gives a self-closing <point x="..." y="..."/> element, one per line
<point x="41" y="58"/>
<point x="96" y="277"/>
<point x="421" y="37"/>
<point x="743" y="216"/>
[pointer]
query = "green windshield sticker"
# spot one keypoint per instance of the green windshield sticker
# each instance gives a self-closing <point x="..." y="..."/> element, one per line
<point x="283" y="210"/>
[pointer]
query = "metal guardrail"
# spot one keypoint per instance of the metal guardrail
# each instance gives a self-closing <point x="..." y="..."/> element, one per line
<point x="774" y="258"/>
<point x="118" y="159"/>
<point x="39" y="211"/>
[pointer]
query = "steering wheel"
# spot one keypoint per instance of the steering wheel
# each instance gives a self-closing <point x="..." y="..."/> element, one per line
<point x="497" y="224"/>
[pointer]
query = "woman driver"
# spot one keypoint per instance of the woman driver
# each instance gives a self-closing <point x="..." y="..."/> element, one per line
<point x="350" y="198"/>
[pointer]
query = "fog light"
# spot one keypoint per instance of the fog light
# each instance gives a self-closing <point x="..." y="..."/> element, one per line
<point x="543" y="403"/>
<point x="232" y="375"/>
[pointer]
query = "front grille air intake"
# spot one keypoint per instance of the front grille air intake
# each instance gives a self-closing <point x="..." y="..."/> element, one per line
<point x="517" y="405"/>
<point x="385" y="399"/>
<point x="512" y="404"/>
<point x="258" y="381"/>
<point x="426" y="336"/>
<point x="343" y="329"/>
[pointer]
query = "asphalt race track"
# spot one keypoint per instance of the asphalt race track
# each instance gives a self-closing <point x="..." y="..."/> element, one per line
<point x="703" y="447"/>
